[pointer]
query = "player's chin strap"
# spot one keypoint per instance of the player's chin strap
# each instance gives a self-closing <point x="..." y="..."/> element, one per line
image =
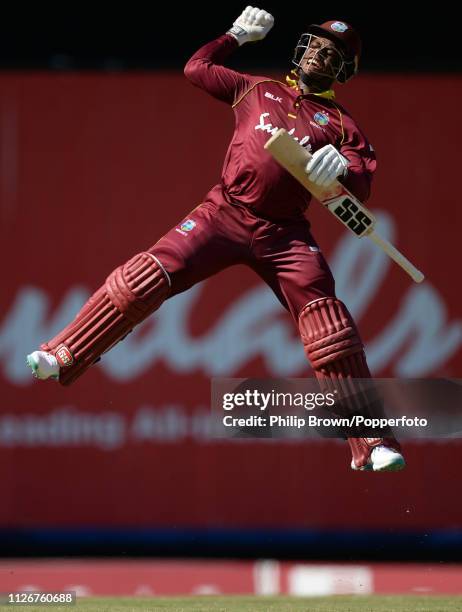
<point x="329" y="94"/>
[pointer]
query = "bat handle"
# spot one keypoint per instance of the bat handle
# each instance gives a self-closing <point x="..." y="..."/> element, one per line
<point x="398" y="257"/>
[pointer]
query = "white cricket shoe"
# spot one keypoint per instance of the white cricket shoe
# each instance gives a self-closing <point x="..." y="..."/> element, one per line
<point x="383" y="459"/>
<point x="43" y="365"/>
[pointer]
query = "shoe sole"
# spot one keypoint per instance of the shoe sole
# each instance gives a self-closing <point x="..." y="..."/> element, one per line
<point x="33" y="364"/>
<point x="396" y="465"/>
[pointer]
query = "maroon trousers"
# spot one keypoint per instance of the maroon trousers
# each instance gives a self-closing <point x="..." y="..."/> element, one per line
<point x="212" y="237"/>
<point x="217" y="235"/>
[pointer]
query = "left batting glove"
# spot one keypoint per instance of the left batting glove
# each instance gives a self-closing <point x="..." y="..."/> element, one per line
<point x="252" y="24"/>
<point x="326" y="165"/>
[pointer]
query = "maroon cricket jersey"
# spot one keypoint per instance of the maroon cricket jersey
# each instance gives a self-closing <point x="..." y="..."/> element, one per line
<point x="261" y="105"/>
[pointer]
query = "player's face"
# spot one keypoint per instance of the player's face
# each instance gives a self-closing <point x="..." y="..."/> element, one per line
<point x="321" y="58"/>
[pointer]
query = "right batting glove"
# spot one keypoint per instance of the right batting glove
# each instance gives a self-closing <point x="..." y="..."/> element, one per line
<point x="252" y="24"/>
<point x="326" y="165"/>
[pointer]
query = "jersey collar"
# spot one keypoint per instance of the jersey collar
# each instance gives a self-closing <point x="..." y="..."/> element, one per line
<point x="329" y="94"/>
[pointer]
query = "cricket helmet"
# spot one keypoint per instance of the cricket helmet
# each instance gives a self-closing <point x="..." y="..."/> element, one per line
<point x="347" y="41"/>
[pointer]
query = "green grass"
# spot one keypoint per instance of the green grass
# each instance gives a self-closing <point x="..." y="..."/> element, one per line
<point x="258" y="604"/>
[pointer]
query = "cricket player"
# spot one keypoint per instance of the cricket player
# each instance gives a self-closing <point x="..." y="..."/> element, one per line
<point x="253" y="216"/>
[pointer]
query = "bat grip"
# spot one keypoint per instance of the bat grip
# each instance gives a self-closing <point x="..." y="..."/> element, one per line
<point x="397" y="256"/>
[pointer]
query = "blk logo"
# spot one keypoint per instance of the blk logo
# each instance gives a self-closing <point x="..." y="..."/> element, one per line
<point x="271" y="97"/>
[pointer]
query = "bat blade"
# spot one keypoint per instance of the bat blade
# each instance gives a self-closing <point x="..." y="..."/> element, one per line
<point x="337" y="199"/>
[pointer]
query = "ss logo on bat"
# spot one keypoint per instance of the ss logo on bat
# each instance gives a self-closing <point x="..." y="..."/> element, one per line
<point x="352" y="216"/>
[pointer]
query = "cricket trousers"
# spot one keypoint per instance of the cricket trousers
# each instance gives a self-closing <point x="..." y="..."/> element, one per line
<point x="214" y="236"/>
<point x="217" y="235"/>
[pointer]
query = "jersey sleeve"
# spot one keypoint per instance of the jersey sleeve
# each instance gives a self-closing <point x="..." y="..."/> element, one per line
<point x="361" y="160"/>
<point x="205" y="70"/>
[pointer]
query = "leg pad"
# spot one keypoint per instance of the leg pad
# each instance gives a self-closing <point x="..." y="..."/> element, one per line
<point x="130" y="294"/>
<point x="335" y="350"/>
<point x="330" y="337"/>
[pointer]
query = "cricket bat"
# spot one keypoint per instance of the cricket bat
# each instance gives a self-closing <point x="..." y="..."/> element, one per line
<point x="341" y="203"/>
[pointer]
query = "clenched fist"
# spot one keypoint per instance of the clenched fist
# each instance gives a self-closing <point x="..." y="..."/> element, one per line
<point x="252" y="24"/>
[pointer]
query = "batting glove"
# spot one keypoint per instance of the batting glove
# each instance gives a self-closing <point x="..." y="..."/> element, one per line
<point x="326" y="165"/>
<point x="252" y="24"/>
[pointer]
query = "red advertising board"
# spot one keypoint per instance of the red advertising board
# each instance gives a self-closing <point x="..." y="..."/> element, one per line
<point x="143" y="578"/>
<point x="94" y="168"/>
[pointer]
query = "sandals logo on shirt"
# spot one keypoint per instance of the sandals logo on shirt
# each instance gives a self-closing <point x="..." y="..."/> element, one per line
<point x="186" y="227"/>
<point x="270" y="129"/>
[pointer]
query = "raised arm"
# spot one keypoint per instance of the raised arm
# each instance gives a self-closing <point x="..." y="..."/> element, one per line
<point x="205" y="68"/>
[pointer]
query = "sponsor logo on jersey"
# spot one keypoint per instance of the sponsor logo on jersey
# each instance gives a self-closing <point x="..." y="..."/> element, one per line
<point x="321" y="118"/>
<point x="339" y="26"/>
<point x="268" y="127"/>
<point x="272" y="97"/>
<point x="186" y="227"/>
<point x="64" y="356"/>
